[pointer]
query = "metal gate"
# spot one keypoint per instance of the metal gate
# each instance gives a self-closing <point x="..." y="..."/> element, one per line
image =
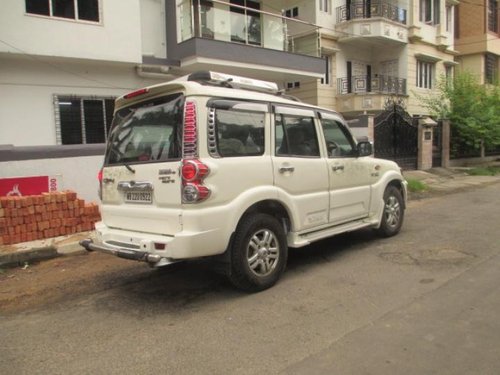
<point x="437" y="145"/>
<point x="396" y="136"/>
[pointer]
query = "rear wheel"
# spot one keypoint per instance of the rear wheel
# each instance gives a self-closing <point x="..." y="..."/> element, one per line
<point x="392" y="218"/>
<point x="259" y="253"/>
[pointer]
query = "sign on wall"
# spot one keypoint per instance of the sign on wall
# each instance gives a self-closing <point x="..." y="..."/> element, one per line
<point x="22" y="186"/>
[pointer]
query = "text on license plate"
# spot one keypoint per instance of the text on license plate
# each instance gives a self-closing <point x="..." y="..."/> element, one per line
<point x="139" y="197"/>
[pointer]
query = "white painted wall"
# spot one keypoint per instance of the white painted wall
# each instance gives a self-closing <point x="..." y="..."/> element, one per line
<point x="78" y="174"/>
<point x="153" y="28"/>
<point x="27" y="87"/>
<point x="116" y="38"/>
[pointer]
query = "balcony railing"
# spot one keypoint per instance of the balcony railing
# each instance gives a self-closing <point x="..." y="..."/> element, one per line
<point x="369" y="9"/>
<point x="364" y="84"/>
<point x="222" y="21"/>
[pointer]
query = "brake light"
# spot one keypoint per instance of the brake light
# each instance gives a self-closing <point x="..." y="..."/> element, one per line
<point x="193" y="169"/>
<point x="133" y="94"/>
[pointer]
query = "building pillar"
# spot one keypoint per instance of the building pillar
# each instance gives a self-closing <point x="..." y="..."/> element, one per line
<point x="425" y="134"/>
<point x="445" y="143"/>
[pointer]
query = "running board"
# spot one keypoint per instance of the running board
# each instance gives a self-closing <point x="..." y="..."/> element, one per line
<point x="300" y="240"/>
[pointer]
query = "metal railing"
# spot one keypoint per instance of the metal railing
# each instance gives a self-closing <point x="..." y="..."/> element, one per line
<point x="376" y="84"/>
<point x="222" y="21"/>
<point x="369" y="9"/>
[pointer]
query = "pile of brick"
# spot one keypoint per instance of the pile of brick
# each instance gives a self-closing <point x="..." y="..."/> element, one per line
<point x="38" y="217"/>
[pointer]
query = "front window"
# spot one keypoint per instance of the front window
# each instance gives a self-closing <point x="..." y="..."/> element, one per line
<point x="338" y="141"/>
<point x="425" y="74"/>
<point x="83" y="10"/>
<point x="147" y="132"/>
<point x="82" y="120"/>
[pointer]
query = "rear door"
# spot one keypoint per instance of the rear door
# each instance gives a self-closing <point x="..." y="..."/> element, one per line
<point x="141" y="186"/>
<point x="299" y="170"/>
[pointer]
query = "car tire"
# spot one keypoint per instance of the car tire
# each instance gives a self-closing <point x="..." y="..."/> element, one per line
<point x="259" y="253"/>
<point x="393" y="212"/>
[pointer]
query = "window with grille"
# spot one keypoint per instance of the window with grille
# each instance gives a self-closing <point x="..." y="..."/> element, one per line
<point x="328" y="63"/>
<point x="83" y="10"/>
<point x="493" y="16"/>
<point x="490" y="68"/>
<point x="425" y="74"/>
<point x="83" y="120"/>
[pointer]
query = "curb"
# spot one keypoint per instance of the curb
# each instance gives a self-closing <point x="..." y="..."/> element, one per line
<point x="56" y="248"/>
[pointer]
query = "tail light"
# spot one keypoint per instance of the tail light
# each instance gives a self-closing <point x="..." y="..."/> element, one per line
<point x="193" y="171"/>
<point x="99" y="178"/>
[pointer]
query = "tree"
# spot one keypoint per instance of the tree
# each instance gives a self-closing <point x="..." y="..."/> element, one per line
<point x="473" y="109"/>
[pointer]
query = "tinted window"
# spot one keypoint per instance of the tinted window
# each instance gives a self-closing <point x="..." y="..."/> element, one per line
<point x="295" y="136"/>
<point x="239" y="133"/>
<point x="338" y="141"/>
<point x="147" y="132"/>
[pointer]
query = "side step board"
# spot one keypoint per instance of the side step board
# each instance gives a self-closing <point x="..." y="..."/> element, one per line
<point x="300" y="240"/>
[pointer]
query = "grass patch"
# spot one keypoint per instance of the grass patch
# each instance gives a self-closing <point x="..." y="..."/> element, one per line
<point x="416" y="186"/>
<point x="484" y="171"/>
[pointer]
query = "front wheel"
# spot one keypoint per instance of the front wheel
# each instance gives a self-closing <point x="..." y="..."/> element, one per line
<point x="392" y="218"/>
<point x="258" y="254"/>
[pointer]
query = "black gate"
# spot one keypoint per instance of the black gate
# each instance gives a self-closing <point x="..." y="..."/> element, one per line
<point x="437" y="145"/>
<point x="396" y="136"/>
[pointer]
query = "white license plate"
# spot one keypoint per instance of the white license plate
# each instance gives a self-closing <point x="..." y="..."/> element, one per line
<point x="139" y="197"/>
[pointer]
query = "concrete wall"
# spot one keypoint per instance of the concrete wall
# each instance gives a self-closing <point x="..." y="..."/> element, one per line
<point x="117" y="37"/>
<point x="28" y="86"/>
<point x="77" y="173"/>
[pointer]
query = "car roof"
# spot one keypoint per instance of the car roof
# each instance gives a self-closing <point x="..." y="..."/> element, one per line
<point x="193" y="88"/>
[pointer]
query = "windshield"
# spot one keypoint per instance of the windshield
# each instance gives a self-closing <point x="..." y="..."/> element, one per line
<point x="147" y="132"/>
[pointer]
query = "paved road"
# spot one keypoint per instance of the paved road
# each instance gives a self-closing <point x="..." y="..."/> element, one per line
<point x="424" y="302"/>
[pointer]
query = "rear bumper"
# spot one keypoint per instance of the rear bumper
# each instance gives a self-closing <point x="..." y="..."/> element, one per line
<point x="142" y="256"/>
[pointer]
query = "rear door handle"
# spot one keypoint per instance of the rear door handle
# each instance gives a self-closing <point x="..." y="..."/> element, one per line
<point x="286" y="169"/>
<point x="337" y="168"/>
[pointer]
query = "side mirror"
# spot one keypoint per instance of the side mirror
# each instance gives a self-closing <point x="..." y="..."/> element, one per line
<point x="365" y="149"/>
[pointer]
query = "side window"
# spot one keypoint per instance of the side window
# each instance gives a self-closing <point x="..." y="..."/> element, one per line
<point x="295" y="136"/>
<point x="239" y="133"/>
<point x="338" y="142"/>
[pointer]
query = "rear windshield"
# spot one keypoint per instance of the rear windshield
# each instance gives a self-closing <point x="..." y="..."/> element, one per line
<point x="147" y="132"/>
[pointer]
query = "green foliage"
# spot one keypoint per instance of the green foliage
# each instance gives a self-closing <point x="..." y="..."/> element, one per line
<point x="484" y="171"/>
<point x="473" y="109"/>
<point x="416" y="186"/>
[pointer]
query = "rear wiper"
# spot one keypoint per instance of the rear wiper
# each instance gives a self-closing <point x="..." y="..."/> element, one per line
<point x="121" y="156"/>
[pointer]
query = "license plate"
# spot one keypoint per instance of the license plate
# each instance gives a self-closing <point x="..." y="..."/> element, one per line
<point x="139" y="197"/>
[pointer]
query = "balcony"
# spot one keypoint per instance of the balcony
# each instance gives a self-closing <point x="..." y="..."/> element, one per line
<point x="241" y="40"/>
<point x="365" y="93"/>
<point x="361" y="20"/>
<point x="379" y="84"/>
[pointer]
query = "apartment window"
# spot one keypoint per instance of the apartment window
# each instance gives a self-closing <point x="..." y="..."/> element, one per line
<point x="245" y="23"/>
<point x="429" y="11"/>
<point x="449" y="73"/>
<point x="293" y="85"/>
<point x="83" y="120"/>
<point x="324" y="6"/>
<point x="328" y="64"/>
<point x="292" y="13"/>
<point x="83" y="10"/>
<point x="425" y="74"/>
<point x="490" y="68"/>
<point x="493" y="16"/>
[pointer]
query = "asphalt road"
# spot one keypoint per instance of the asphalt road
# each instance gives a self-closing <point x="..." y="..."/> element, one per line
<point x="423" y="302"/>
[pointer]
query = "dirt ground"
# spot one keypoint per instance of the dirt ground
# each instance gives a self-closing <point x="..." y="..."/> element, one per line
<point x="38" y="284"/>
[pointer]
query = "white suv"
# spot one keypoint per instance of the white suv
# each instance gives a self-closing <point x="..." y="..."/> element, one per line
<point x="226" y="166"/>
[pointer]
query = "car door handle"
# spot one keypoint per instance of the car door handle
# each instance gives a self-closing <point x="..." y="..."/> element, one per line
<point x="286" y="169"/>
<point x="337" y="168"/>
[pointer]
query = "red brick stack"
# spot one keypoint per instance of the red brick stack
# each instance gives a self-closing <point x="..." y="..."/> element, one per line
<point x="37" y="217"/>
